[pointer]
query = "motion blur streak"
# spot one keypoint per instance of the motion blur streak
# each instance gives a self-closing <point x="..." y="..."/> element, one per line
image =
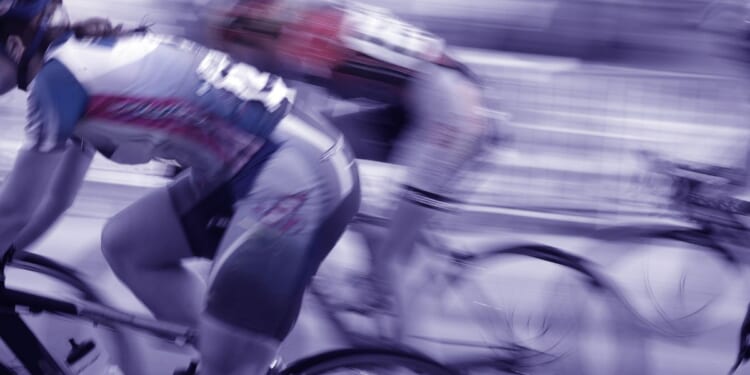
<point x="581" y="88"/>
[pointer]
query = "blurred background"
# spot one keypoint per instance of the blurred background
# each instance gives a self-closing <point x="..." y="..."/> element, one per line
<point x="583" y="85"/>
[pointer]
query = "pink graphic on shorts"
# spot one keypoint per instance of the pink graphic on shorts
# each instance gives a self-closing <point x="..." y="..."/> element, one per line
<point x="283" y="214"/>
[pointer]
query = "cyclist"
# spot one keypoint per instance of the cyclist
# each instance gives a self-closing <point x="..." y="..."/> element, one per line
<point x="266" y="194"/>
<point x="428" y="119"/>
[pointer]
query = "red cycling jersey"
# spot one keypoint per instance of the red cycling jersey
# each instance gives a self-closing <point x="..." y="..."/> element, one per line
<point x="353" y="50"/>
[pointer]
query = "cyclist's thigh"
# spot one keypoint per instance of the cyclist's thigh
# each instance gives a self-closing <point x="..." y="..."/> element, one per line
<point x="279" y="234"/>
<point x="447" y="128"/>
<point x="148" y="232"/>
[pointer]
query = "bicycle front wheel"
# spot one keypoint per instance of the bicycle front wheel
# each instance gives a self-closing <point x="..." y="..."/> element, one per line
<point x="4" y="370"/>
<point x="684" y="283"/>
<point x="367" y="361"/>
<point x="680" y="279"/>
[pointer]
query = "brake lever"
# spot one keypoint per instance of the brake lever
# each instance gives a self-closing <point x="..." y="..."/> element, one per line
<point x="4" y="261"/>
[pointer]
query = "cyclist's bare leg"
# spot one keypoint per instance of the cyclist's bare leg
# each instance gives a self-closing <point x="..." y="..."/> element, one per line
<point x="445" y="134"/>
<point x="144" y="244"/>
<point x="397" y="249"/>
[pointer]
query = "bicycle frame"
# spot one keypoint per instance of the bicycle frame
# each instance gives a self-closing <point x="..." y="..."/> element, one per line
<point x="506" y="357"/>
<point x="31" y="352"/>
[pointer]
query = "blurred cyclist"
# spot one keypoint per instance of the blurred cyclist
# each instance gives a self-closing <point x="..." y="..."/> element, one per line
<point x="429" y="118"/>
<point x="265" y="194"/>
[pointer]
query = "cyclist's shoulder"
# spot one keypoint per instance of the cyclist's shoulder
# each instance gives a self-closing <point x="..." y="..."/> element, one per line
<point x="56" y="101"/>
<point x="111" y="49"/>
<point x="87" y="57"/>
<point x="54" y="85"/>
<point x="115" y="63"/>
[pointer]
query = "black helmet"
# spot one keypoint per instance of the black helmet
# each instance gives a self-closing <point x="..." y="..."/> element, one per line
<point x="23" y="12"/>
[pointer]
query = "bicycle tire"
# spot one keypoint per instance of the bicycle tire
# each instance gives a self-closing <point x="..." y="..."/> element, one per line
<point x="563" y="352"/>
<point x="120" y="347"/>
<point x="49" y="267"/>
<point x="695" y="236"/>
<point x="5" y="370"/>
<point x="647" y="240"/>
<point x="496" y="353"/>
<point x="705" y="276"/>
<point x="369" y="359"/>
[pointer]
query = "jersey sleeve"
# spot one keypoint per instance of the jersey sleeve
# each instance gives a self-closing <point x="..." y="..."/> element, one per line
<point x="56" y="103"/>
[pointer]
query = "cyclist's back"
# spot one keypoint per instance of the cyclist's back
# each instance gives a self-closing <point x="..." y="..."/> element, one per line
<point x="145" y="97"/>
<point x="351" y="49"/>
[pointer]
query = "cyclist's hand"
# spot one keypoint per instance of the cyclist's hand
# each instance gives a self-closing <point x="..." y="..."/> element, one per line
<point x="655" y="162"/>
<point x="379" y="295"/>
<point x="496" y="133"/>
<point x="5" y="258"/>
<point x="95" y="27"/>
<point x="742" y="357"/>
<point x="6" y="255"/>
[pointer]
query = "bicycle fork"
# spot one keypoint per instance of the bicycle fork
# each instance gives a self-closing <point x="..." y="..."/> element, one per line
<point x="25" y="346"/>
<point x="19" y="338"/>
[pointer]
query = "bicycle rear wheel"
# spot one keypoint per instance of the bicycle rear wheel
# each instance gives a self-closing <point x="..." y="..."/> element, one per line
<point x="367" y="361"/>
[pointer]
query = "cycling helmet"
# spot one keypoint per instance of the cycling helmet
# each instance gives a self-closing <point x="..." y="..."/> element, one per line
<point x="21" y="12"/>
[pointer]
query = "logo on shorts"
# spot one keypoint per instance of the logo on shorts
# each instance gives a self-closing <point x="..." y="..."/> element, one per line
<point x="283" y="214"/>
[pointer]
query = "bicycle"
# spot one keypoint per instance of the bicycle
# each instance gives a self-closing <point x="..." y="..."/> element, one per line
<point x="699" y="244"/>
<point x="453" y="270"/>
<point x="36" y="359"/>
<point x="505" y="344"/>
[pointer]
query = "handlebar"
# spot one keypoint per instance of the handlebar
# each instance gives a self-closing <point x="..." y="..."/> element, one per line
<point x="706" y="174"/>
<point x="689" y="179"/>
<point x="497" y="133"/>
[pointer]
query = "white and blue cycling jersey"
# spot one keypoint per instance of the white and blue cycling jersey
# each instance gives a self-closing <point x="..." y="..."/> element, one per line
<point x="142" y="97"/>
<point x="267" y="195"/>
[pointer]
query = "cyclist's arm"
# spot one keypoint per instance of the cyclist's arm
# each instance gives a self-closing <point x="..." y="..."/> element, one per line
<point x="66" y="182"/>
<point x="744" y="169"/>
<point x="56" y="103"/>
<point x="23" y="190"/>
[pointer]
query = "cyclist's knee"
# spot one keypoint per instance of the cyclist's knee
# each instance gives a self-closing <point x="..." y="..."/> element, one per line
<point x="113" y="246"/>
<point x="125" y="257"/>
<point x="258" y="286"/>
<point x="147" y="234"/>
